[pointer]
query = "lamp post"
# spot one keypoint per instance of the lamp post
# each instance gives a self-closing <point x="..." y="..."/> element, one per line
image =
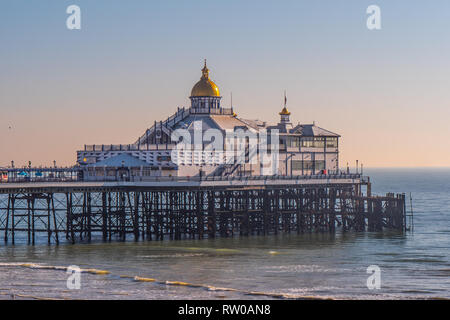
<point x="286" y="163"/>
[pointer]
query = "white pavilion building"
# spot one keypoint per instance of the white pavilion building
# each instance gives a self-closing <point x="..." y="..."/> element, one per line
<point x="301" y="149"/>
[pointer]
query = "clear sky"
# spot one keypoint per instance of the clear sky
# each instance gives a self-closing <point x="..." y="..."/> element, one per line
<point x="385" y="91"/>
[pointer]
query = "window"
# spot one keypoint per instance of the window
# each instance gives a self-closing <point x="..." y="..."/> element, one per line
<point x="296" y="165"/>
<point x="307" y="142"/>
<point x="111" y="173"/>
<point x="319" y="142"/>
<point x="332" y="143"/>
<point x="146" y="171"/>
<point x="308" y="164"/>
<point x="293" y="142"/>
<point x="163" y="158"/>
<point x="313" y="142"/>
<point x="320" y="165"/>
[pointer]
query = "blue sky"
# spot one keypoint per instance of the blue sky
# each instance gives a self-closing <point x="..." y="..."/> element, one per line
<point x="133" y="62"/>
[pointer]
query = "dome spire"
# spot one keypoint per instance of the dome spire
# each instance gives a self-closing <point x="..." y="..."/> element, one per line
<point x="205" y="71"/>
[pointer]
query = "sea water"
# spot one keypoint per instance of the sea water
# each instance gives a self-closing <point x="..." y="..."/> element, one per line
<point x="321" y="265"/>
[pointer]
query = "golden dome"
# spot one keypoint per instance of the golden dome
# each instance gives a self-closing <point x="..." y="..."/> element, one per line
<point x="284" y="112"/>
<point x="205" y="87"/>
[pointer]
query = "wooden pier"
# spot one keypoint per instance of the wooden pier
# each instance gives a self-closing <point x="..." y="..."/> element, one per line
<point x="190" y="208"/>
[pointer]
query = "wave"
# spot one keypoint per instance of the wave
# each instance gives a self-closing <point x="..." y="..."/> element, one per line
<point x="301" y="268"/>
<point x="49" y="267"/>
<point x="416" y="260"/>
<point x="219" y="250"/>
<point x="245" y="292"/>
<point x="154" y="280"/>
<point x="275" y="295"/>
<point x="175" y="255"/>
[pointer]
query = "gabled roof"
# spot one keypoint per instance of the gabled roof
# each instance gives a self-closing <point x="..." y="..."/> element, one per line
<point x="255" y="123"/>
<point x="188" y="123"/>
<point x="211" y="121"/>
<point x="122" y="159"/>
<point x="282" y="128"/>
<point x="228" y="122"/>
<point x="311" y="130"/>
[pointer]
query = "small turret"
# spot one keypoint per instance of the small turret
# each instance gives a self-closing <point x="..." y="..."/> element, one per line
<point x="285" y="112"/>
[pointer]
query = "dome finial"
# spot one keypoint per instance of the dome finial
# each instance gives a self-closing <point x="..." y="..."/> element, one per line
<point x="285" y="111"/>
<point x="205" y="71"/>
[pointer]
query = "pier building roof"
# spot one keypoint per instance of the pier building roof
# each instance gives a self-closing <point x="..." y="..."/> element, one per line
<point x="220" y="122"/>
<point x="231" y="122"/>
<point x="311" y="130"/>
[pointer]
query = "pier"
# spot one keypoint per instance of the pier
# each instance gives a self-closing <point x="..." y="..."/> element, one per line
<point x="193" y="208"/>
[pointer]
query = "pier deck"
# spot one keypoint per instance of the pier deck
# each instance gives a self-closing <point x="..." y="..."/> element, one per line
<point x="184" y="182"/>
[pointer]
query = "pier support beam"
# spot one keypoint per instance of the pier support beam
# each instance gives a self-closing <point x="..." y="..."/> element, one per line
<point x="156" y="214"/>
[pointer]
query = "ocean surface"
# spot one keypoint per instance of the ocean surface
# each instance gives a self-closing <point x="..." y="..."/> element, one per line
<point x="413" y="265"/>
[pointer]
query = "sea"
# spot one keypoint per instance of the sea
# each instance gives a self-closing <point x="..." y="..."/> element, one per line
<point x="410" y="265"/>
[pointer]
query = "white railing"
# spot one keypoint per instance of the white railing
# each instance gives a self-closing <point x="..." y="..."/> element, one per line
<point x="326" y="177"/>
<point x="127" y="147"/>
